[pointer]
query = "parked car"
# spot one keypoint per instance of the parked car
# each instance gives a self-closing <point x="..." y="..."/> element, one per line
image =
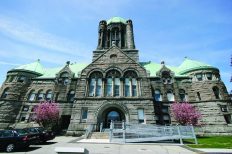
<point x="44" y="135"/>
<point x="15" y="139"/>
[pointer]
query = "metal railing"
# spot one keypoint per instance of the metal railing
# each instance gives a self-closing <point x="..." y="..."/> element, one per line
<point x="89" y="130"/>
<point x="122" y="132"/>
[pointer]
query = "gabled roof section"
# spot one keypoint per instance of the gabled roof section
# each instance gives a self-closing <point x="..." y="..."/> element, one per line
<point x="77" y="68"/>
<point x="153" y="68"/>
<point x="191" y="65"/>
<point x="35" y="67"/>
<point x="74" y="67"/>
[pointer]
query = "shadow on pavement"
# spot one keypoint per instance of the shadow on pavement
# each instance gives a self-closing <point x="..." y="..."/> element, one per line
<point x="86" y="151"/>
<point x="46" y="143"/>
<point x="27" y="149"/>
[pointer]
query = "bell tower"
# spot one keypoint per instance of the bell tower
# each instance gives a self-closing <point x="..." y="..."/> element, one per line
<point x="119" y="32"/>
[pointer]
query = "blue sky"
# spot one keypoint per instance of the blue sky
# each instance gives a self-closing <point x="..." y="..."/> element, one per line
<point x="57" y="31"/>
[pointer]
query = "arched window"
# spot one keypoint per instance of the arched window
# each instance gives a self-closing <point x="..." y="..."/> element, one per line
<point x="199" y="77"/>
<point x="32" y="95"/>
<point x="49" y="95"/>
<point x="113" y="83"/>
<point x="166" y="77"/>
<point x="71" y="96"/>
<point x="182" y="95"/>
<point x="65" y="78"/>
<point x="40" y="96"/>
<point x="130" y="84"/>
<point x="157" y="95"/>
<point x="209" y="76"/>
<point x="216" y="92"/>
<point x="170" y="95"/>
<point x="95" y="84"/>
<point x="64" y="75"/>
<point x="21" y="79"/>
<point x="5" y="93"/>
<point x="115" y="36"/>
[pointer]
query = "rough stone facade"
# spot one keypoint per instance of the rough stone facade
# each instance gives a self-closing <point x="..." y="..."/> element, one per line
<point x="116" y="86"/>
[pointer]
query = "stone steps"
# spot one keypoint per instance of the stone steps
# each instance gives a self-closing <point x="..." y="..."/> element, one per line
<point x="100" y="135"/>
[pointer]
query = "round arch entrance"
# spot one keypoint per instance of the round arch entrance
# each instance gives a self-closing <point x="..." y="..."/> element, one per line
<point x="111" y="114"/>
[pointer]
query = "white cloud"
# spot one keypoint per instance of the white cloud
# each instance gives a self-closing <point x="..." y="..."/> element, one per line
<point x="27" y="34"/>
<point x="8" y="63"/>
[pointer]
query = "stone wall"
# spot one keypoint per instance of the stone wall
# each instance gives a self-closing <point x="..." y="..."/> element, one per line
<point x="9" y="110"/>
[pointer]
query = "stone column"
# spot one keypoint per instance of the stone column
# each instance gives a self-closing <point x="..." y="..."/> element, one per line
<point x="103" y="87"/>
<point x="121" y="87"/>
<point x="130" y="35"/>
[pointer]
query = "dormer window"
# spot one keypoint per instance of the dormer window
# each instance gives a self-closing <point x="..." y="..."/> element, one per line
<point x="64" y="77"/>
<point x="209" y="76"/>
<point x="199" y="77"/>
<point x="166" y="78"/>
<point x="21" y="79"/>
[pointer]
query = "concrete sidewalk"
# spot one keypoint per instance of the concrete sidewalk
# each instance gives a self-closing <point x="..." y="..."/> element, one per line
<point x="214" y="150"/>
<point x="98" y="147"/>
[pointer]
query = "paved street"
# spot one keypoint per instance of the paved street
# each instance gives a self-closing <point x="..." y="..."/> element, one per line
<point x="105" y="148"/>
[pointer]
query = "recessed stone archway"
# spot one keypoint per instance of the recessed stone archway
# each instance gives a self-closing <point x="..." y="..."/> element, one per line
<point x="107" y="110"/>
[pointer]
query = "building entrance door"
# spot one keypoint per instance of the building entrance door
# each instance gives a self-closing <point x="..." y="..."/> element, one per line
<point x="112" y="116"/>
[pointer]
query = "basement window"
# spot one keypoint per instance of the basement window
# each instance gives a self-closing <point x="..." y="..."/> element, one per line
<point x="141" y="115"/>
<point x="84" y="114"/>
<point x="228" y="118"/>
<point x="224" y="108"/>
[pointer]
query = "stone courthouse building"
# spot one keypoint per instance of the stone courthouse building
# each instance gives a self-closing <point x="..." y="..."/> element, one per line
<point x="116" y="86"/>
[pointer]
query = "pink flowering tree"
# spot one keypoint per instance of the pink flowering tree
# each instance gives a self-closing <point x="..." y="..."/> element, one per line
<point x="185" y="113"/>
<point x="47" y="114"/>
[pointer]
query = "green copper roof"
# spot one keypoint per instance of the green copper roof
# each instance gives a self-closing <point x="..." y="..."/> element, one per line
<point x="51" y="72"/>
<point x="153" y="68"/>
<point x="33" y="67"/>
<point x="77" y="68"/>
<point x="116" y="20"/>
<point x="191" y="65"/>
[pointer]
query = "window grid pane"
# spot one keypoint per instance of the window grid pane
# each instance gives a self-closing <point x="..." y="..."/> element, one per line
<point x="91" y="87"/>
<point x="109" y="87"/>
<point x="134" y="87"/>
<point x="116" y="86"/>
<point x="99" y="87"/>
<point x="127" y="87"/>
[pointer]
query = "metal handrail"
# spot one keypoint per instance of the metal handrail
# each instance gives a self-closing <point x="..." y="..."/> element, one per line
<point x="89" y="130"/>
<point x="128" y="132"/>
